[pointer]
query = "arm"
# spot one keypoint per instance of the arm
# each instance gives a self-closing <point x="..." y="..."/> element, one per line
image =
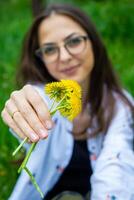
<point x="113" y="177"/>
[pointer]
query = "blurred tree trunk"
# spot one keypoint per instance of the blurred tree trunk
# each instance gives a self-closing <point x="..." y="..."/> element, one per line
<point x="39" y="5"/>
<point x="58" y="1"/>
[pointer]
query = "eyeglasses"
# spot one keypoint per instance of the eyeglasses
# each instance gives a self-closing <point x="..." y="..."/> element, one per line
<point x="50" y="52"/>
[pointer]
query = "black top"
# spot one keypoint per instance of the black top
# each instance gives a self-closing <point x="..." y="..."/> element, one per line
<point x="76" y="176"/>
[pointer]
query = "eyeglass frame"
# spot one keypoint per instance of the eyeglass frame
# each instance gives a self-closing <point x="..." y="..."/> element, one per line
<point x="38" y="51"/>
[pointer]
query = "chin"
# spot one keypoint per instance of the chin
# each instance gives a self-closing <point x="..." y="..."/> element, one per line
<point x="80" y="80"/>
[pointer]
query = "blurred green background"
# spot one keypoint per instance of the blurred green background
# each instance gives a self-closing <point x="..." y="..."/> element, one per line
<point x="115" y="22"/>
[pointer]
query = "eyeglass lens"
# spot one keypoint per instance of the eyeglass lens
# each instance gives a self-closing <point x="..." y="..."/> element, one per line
<point x="74" y="46"/>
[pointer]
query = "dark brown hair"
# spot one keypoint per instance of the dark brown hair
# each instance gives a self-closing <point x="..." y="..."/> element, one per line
<point x="103" y="81"/>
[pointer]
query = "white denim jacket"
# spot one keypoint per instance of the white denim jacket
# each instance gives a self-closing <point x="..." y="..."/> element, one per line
<point x="111" y="156"/>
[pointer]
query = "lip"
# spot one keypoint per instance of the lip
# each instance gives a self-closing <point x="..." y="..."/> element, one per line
<point x="70" y="70"/>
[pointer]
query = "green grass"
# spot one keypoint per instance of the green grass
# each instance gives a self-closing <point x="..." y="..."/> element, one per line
<point x="114" y="22"/>
<point x="15" y="16"/>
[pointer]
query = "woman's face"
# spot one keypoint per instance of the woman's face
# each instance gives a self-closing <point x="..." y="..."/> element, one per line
<point x="66" y="51"/>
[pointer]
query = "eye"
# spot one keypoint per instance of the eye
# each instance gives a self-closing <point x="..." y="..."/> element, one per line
<point x="49" y="50"/>
<point x="74" y="42"/>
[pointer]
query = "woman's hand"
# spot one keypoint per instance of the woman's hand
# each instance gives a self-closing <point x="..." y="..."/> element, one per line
<point x="27" y="114"/>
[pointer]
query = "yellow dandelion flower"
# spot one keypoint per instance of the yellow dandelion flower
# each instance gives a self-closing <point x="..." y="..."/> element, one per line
<point x="55" y="90"/>
<point x="64" y="87"/>
<point x="72" y="87"/>
<point x="72" y="107"/>
<point x="75" y="107"/>
<point x="68" y="95"/>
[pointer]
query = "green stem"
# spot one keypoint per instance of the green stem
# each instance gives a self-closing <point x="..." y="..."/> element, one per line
<point x="23" y="165"/>
<point x="52" y="105"/>
<point x="57" y="108"/>
<point x="27" y="157"/>
<point x="60" y="101"/>
<point x="34" y="181"/>
<point x="51" y="113"/>
<point x="19" y="147"/>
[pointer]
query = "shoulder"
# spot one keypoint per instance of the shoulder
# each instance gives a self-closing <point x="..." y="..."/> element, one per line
<point x="119" y="99"/>
<point x="122" y="108"/>
<point x="120" y="132"/>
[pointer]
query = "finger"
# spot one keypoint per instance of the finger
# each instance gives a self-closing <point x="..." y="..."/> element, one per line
<point x="29" y="115"/>
<point x="9" y="121"/>
<point x="25" y="128"/>
<point x="10" y="107"/>
<point x="39" y="105"/>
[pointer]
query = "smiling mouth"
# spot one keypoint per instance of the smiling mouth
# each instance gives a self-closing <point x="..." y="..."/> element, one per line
<point x="70" y="70"/>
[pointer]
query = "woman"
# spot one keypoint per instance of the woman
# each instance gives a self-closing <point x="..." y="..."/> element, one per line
<point x="95" y="152"/>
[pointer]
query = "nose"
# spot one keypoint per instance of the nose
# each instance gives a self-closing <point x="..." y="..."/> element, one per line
<point x="64" y="54"/>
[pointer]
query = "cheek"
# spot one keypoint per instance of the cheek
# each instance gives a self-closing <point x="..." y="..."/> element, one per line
<point x="89" y="60"/>
<point x="52" y="70"/>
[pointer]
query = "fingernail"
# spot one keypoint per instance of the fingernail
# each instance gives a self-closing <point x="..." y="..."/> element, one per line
<point x="43" y="133"/>
<point x="34" y="137"/>
<point x="48" y="124"/>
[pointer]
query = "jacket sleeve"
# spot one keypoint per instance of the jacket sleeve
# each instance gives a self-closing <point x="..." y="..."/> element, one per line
<point x="113" y="177"/>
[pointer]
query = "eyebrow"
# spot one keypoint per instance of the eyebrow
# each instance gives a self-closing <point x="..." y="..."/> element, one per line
<point x="65" y="39"/>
